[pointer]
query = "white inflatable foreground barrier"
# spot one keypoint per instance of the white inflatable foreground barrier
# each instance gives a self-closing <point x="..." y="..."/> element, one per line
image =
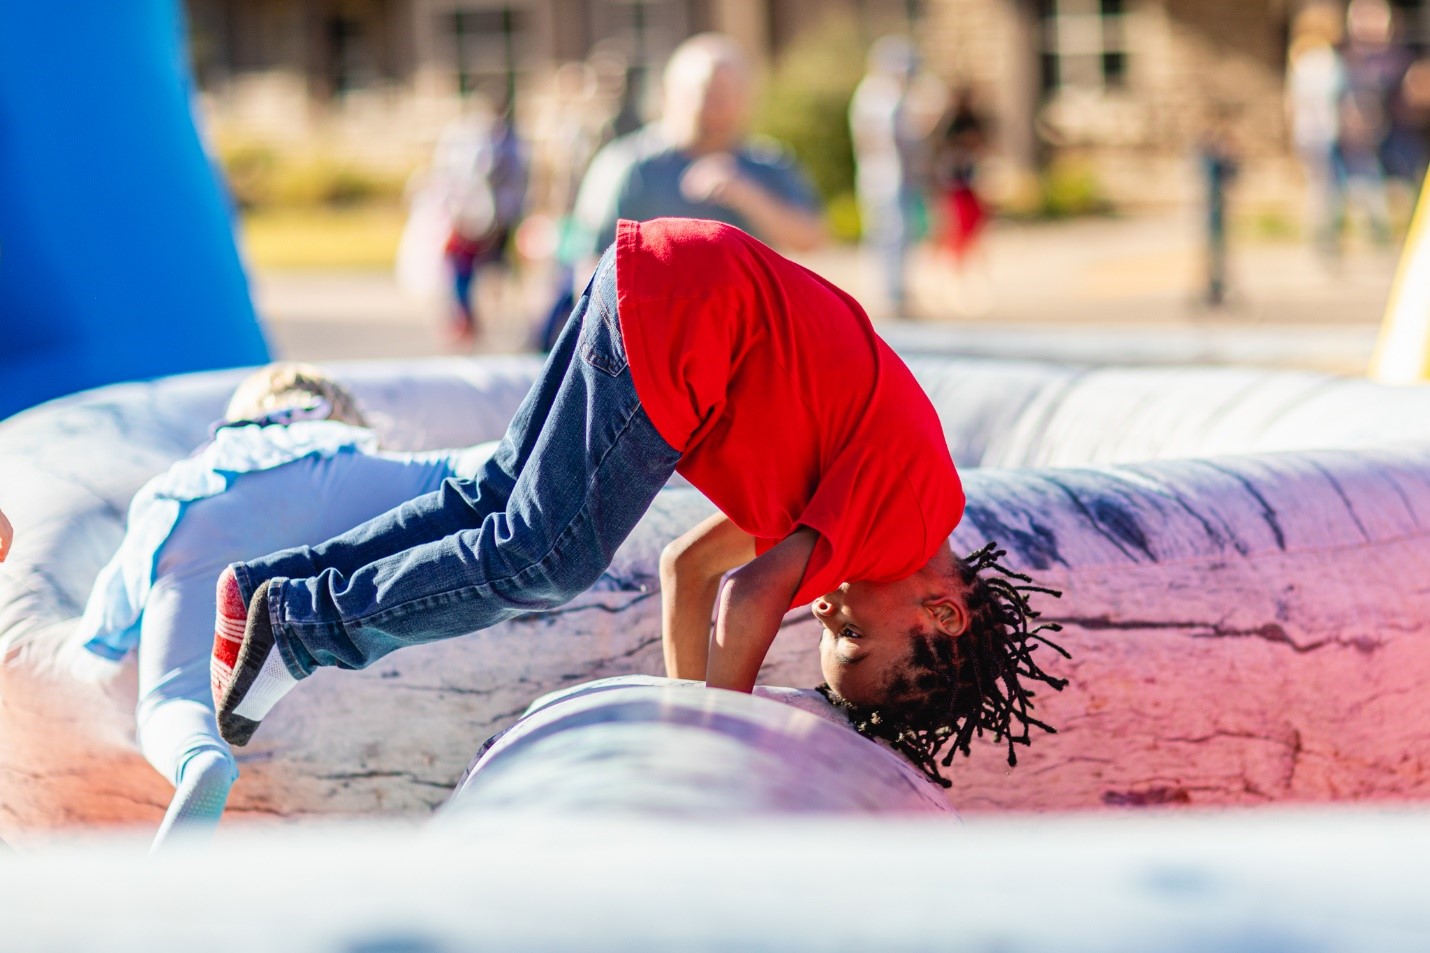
<point x="1243" y="552"/>
<point x="1264" y="881"/>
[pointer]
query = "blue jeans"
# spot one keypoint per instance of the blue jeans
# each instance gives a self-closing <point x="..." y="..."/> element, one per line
<point x="578" y="467"/>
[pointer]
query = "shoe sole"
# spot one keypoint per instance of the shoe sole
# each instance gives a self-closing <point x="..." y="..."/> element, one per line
<point x="234" y="728"/>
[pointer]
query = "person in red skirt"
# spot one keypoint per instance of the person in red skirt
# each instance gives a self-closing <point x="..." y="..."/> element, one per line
<point x="964" y="141"/>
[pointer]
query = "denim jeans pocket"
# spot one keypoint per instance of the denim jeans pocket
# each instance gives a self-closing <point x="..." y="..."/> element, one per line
<point x="601" y="345"/>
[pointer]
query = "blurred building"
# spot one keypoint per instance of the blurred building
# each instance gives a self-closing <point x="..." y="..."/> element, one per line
<point x="1129" y="86"/>
<point x="391" y="72"/>
<point x="1126" y="85"/>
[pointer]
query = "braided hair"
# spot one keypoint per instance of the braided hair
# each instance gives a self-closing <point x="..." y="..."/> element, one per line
<point x="954" y="688"/>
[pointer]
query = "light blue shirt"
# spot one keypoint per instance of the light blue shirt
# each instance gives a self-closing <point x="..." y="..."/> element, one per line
<point x="321" y="477"/>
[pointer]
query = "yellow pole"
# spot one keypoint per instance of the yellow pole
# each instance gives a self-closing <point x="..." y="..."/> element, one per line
<point x="1402" y="352"/>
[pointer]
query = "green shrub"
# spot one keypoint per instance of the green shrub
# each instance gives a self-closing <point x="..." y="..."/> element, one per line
<point x="1268" y="223"/>
<point x="806" y="102"/>
<point x="261" y="176"/>
<point x="249" y="168"/>
<point x="1067" y="188"/>
<point x="843" y="214"/>
<point x="321" y="180"/>
<point x="1071" y="188"/>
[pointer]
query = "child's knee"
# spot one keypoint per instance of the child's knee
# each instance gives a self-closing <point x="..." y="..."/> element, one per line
<point x="558" y="585"/>
<point x="173" y="731"/>
<point x="214" y="764"/>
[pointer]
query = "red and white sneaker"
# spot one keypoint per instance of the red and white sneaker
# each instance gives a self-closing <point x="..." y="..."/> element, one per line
<point x="250" y="676"/>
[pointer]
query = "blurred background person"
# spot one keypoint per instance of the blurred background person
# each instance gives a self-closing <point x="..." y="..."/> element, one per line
<point x="488" y="180"/>
<point x="1375" y="65"/>
<point x="626" y="80"/>
<point x="1315" y="85"/>
<point x="961" y="145"/>
<point x="578" y="118"/>
<point x="697" y="161"/>
<point x="1218" y="164"/>
<point x="891" y="159"/>
<point x="1407" y="147"/>
<point x="463" y="212"/>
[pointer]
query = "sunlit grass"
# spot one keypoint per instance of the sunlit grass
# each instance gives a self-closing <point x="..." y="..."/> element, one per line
<point x="363" y="237"/>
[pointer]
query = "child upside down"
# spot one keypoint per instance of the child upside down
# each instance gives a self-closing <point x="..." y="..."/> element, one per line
<point x="695" y="349"/>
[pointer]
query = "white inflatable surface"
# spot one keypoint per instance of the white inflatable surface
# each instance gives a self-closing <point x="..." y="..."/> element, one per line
<point x="1244" y="556"/>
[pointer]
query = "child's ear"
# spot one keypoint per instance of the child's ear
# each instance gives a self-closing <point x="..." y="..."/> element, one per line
<point x="950" y="615"/>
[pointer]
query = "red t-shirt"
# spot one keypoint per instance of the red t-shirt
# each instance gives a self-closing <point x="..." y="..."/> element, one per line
<point x="787" y="409"/>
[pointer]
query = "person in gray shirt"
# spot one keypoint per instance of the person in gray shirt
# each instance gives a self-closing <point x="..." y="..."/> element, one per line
<point x="697" y="161"/>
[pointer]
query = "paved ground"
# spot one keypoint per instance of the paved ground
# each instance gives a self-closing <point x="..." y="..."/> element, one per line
<point x="1099" y="289"/>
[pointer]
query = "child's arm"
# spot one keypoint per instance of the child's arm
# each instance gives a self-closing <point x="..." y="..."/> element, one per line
<point x="691" y="568"/>
<point x="6" y="534"/>
<point x="751" y="606"/>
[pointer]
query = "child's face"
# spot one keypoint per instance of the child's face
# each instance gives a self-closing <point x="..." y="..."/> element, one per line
<point x="869" y="628"/>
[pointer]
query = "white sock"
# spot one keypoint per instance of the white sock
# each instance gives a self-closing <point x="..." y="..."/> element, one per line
<point x="199" y="799"/>
<point x="273" y="682"/>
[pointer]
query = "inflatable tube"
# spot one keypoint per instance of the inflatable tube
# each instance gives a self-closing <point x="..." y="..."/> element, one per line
<point x="117" y="259"/>
<point x="674" y="749"/>
<point x="1243" y="555"/>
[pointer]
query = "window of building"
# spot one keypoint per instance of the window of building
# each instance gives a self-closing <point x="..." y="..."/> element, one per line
<point x="210" y="42"/>
<point x="645" y="30"/>
<point x="1084" y="44"/>
<point x="356" y="44"/>
<point x="488" y="44"/>
<point x="351" y="61"/>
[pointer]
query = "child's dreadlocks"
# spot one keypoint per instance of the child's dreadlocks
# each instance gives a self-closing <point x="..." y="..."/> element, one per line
<point x="954" y="689"/>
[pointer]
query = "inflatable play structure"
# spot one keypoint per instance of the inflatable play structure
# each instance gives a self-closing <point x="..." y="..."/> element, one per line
<point x="1243" y="554"/>
<point x="638" y="814"/>
<point x="649" y="746"/>
<point x="117" y="259"/>
<point x="1267" y="881"/>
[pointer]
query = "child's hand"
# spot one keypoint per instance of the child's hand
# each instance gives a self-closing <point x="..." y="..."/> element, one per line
<point x="710" y="178"/>
<point x="7" y="533"/>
